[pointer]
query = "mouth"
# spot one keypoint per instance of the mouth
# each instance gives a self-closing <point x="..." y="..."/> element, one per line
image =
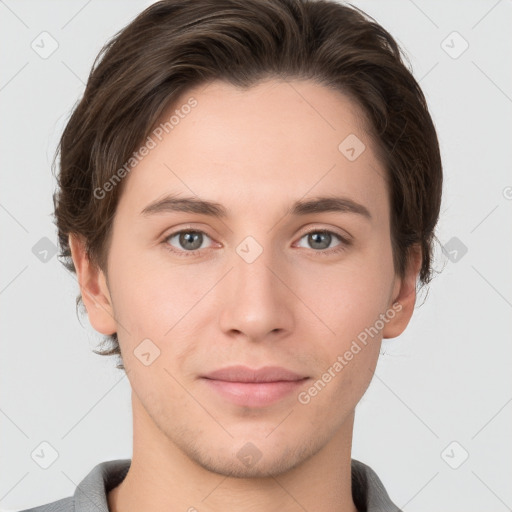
<point x="247" y="387"/>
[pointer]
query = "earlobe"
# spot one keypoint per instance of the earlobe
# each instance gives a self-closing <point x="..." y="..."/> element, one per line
<point x="404" y="298"/>
<point x="93" y="287"/>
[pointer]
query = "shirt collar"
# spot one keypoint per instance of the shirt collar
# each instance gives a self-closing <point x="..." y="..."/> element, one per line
<point x="368" y="492"/>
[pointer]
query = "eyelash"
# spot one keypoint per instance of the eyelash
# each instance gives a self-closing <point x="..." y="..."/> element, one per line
<point x="324" y="252"/>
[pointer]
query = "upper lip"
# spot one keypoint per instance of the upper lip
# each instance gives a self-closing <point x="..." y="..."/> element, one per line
<point x="246" y="374"/>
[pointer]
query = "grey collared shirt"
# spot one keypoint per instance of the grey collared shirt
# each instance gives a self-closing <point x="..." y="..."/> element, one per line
<point x="368" y="492"/>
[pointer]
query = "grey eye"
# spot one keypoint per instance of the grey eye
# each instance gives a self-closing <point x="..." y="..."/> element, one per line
<point x="320" y="240"/>
<point x="188" y="240"/>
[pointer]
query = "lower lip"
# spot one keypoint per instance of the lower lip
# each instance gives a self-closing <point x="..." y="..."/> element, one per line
<point x="254" y="394"/>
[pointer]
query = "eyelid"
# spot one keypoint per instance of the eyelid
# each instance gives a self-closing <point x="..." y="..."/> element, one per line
<point x="344" y="235"/>
<point x="177" y="230"/>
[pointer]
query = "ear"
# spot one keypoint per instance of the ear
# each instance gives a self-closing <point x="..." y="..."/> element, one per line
<point x="404" y="295"/>
<point x="93" y="287"/>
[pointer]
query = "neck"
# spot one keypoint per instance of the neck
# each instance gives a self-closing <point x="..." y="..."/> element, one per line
<point x="163" y="477"/>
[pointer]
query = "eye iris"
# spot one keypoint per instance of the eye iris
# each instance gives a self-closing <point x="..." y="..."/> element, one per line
<point x="190" y="237"/>
<point x="313" y="239"/>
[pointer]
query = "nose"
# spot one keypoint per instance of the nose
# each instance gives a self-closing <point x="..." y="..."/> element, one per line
<point x="257" y="300"/>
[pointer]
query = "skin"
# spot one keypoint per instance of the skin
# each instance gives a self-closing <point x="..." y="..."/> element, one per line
<point x="255" y="152"/>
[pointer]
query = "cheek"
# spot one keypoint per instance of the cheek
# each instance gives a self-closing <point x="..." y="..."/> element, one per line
<point x="143" y="294"/>
<point x="165" y="302"/>
<point x="350" y="300"/>
<point x="350" y="295"/>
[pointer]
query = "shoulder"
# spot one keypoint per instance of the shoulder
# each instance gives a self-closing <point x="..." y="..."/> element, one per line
<point x="91" y="493"/>
<point x="62" y="505"/>
<point x="368" y="491"/>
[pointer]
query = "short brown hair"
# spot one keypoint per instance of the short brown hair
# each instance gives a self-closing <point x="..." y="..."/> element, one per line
<point x="174" y="45"/>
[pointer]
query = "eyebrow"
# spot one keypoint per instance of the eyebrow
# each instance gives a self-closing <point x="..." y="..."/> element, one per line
<point x="173" y="203"/>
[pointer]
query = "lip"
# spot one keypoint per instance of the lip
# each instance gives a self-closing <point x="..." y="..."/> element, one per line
<point x="248" y="387"/>
<point x="241" y="373"/>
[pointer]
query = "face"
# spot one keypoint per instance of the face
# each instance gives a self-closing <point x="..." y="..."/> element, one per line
<point x="268" y="283"/>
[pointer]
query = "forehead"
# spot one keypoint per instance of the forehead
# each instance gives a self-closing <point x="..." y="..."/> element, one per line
<point x="275" y="141"/>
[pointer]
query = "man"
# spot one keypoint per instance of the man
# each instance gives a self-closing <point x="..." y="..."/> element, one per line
<point x="248" y="192"/>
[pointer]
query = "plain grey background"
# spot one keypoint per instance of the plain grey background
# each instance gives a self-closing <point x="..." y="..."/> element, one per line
<point x="435" y="423"/>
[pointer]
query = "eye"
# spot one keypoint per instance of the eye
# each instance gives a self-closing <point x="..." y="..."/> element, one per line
<point x="320" y="240"/>
<point x="189" y="241"/>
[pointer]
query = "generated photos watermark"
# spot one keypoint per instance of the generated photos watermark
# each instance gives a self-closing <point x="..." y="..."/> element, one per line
<point x="151" y="142"/>
<point x="304" y="397"/>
